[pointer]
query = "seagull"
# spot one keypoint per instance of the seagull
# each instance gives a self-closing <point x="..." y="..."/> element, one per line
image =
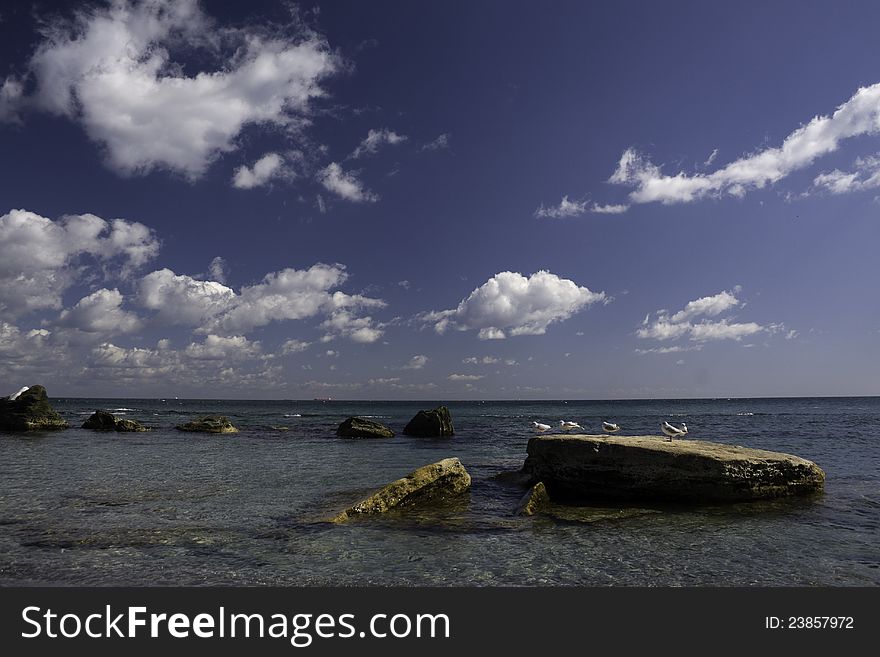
<point x="673" y="431"/>
<point x="568" y="426"/>
<point x="541" y="428"/>
<point x="610" y="427"/>
<point x="17" y="394"/>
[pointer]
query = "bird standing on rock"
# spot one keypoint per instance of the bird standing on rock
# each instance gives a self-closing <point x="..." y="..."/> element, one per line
<point x="568" y="426"/>
<point x="540" y="427"/>
<point x="672" y="431"/>
<point x="610" y="427"/>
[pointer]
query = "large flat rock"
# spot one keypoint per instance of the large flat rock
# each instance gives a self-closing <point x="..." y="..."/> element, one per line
<point x="652" y="468"/>
<point x="429" y="484"/>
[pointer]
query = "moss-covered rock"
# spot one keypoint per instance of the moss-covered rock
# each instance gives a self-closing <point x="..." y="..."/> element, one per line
<point x="358" y="427"/>
<point x="209" y="424"/>
<point x="428" y="485"/>
<point x="430" y="424"/>
<point x="29" y="410"/>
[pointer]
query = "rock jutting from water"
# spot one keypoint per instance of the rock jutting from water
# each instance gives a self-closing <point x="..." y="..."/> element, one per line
<point x="428" y="485"/>
<point x="29" y="410"/>
<point x="653" y="468"/>
<point x="106" y="421"/>
<point x="430" y="424"/>
<point x="358" y="427"/>
<point x="535" y="499"/>
<point x="209" y="424"/>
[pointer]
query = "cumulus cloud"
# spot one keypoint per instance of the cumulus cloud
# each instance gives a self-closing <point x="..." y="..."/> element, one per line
<point x="512" y="304"/>
<point x="100" y="312"/>
<point x="181" y="299"/>
<point x="217" y="347"/>
<point x="860" y="115"/>
<point x="375" y="139"/>
<point x="289" y="294"/>
<point x="359" y="329"/>
<point x="264" y="170"/>
<point x="110" y="69"/>
<point x="345" y="184"/>
<point x="40" y="258"/>
<point x="440" y="143"/>
<point x="666" y="326"/>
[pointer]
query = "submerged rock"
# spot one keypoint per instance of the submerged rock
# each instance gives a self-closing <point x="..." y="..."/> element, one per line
<point x="535" y="499"/>
<point x="29" y="410"/>
<point x="358" y="427"/>
<point x="430" y="424"/>
<point x="129" y="425"/>
<point x="209" y="424"/>
<point x="430" y="484"/>
<point x="105" y="421"/>
<point x="650" y="467"/>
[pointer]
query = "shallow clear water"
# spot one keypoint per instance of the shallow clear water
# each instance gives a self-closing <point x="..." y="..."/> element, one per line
<point x="166" y="507"/>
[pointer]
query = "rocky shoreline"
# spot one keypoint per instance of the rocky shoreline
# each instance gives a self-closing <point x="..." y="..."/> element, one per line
<point x="562" y="474"/>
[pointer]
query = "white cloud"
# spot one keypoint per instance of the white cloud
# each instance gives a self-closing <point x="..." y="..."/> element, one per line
<point x="565" y="208"/>
<point x="375" y="139"/>
<point x="677" y="349"/>
<point x="416" y="362"/>
<point x="680" y="324"/>
<point x="40" y="258"/>
<point x="111" y="70"/>
<point x="485" y="360"/>
<point x="865" y="176"/>
<point x="724" y="330"/>
<point x="512" y="304"/>
<point x="344" y="184"/>
<point x="136" y="362"/>
<point x="289" y="294"/>
<point x="180" y="299"/>
<point x="218" y="269"/>
<point x="860" y="115"/>
<point x="711" y="306"/>
<point x="216" y="347"/>
<point x="465" y="377"/>
<point x="440" y="143"/>
<point x="11" y="98"/>
<point x="359" y="329"/>
<point x="294" y="346"/>
<point x="609" y="208"/>
<point x="711" y="158"/>
<point x="264" y="170"/>
<point x="100" y="312"/>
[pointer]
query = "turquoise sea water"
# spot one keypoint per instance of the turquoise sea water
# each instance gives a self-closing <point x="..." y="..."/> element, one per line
<point x="165" y="507"/>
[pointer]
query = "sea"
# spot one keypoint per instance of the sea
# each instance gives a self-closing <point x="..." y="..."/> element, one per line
<point x="172" y="508"/>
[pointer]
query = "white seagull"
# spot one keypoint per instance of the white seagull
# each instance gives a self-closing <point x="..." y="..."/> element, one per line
<point x="673" y="431"/>
<point x="17" y="394"/>
<point x="610" y="427"/>
<point x="541" y="428"/>
<point x="568" y="426"/>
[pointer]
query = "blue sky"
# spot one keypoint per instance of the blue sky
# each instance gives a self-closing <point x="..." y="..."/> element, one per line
<point x="440" y="200"/>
